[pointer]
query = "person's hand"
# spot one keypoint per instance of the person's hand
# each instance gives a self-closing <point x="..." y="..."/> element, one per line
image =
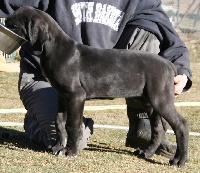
<point x="179" y="83"/>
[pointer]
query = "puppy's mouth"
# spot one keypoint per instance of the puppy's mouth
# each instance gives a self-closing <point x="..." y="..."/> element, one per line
<point x="14" y="27"/>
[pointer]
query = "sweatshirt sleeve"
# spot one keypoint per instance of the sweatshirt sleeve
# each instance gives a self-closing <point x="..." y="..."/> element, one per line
<point x="7" y="7"/>
<point x="172" y="47"/>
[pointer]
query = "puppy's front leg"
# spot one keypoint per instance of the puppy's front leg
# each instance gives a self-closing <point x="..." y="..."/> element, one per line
<point x="75" y="106"/>
<point x="60" y="148"/>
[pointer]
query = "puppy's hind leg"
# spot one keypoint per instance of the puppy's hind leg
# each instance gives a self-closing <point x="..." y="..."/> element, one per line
<point x="182" y="137"/>
<point x="180" y="126"/>
<point x="158" y="128"/>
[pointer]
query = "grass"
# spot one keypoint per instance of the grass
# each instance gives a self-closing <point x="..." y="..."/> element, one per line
<point x="106" y="151"/>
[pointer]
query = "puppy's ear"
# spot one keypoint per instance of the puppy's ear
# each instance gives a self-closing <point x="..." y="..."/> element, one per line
<point x="38" y="34"/>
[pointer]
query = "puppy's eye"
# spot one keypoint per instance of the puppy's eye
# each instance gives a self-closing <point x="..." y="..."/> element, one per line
<point x="15" y="26"/>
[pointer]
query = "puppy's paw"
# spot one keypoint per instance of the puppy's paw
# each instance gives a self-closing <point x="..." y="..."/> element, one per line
<point x="178" y="162"/>
<point x="71" y="153"/>
<point x="143" y="154"/>
<point x="139" y="153"/>
<point x="62" y="153"/>
<point x="58" y="150"/>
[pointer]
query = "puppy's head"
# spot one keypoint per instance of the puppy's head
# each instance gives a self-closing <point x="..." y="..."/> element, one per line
<point x="29" y="24"/>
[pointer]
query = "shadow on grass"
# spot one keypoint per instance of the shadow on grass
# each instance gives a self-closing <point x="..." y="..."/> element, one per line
<point x="101" y="147"/>
<point x="13" y="138"/>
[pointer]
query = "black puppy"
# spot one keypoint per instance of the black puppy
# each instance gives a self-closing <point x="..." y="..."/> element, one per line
<point x="79" y="73"/>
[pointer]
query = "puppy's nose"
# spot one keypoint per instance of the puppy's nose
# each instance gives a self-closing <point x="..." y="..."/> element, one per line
<point x="9" y="41"/>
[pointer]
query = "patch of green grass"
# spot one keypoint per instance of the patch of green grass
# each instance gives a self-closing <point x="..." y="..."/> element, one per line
<point x="9" y="97"/>
<point x="105" y="153"/>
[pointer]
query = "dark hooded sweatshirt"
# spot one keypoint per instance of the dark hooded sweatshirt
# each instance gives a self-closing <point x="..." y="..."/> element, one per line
<point x="99" y="23"/>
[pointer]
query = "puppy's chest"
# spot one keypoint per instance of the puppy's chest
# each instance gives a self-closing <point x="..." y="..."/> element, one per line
<point x="46" y="70"/>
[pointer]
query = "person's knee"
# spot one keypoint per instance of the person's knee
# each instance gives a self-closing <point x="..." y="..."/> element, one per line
<point x="138" y="39"/>
<point x="134" y="103"/>
<point x="38" y="94"/>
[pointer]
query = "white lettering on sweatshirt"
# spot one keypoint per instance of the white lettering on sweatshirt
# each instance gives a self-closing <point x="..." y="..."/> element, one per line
<point x="97" y="13"/>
